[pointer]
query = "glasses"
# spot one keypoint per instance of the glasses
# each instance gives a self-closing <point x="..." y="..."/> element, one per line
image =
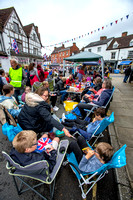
<point x="45" y="95"/>
<point x="35" y="144"/>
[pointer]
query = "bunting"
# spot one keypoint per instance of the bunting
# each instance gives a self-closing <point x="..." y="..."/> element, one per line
<point x="91" y="32"/>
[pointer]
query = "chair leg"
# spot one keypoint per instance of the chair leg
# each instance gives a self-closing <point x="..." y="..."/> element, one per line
<point x="52" y="187"/>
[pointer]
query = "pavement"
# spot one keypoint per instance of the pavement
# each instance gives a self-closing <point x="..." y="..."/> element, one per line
<point x="121" y="132"/>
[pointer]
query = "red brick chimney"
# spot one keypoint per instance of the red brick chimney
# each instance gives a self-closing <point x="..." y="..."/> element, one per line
<point x="103" y="38"/>
<point x="54" y="48"/>
<point x="124" y="34"/>
<point x="74" y="43"/>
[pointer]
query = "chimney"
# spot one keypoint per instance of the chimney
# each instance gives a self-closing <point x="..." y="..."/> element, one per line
<point x="54" y="48"/>
<point x="74" y="43"/>
<point x="124" y="34"/>
<point x="103" y="38"/>
<point x="63" y="46"/>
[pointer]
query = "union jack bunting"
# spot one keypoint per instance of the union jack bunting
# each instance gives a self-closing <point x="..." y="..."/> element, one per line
<point x="15" y="46"/>
<point x="42" y="144"/>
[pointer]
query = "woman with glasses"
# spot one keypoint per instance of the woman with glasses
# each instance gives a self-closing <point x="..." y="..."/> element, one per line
<point x="36" y="113"/>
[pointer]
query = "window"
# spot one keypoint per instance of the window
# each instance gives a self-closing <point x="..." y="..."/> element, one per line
<point x="63" y="53"/>
<point x="20" y="46"/>
<point x="130" y="54"/>
<point x="16" y="27"/>
<point x="131" y="43"/>
<point x="67" y="53"/>
<point x="34" y="36"/>
<point x="115" y="45"/>
<point x="98" y="49"/>
<point x="113" y="55"/>
<point x="89" y="50"/>
<point x="35" y="51"/>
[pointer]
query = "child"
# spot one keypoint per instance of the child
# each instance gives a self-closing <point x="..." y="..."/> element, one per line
<point x="9" y="101"/>
<point x="88" y="130"/>
<point x="23" y="151"/>
<point x="2" y="74"/>
<point x="90" y="160"/>
<point x="27" y="90"/>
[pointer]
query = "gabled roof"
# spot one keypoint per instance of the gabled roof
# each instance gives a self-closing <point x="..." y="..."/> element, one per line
<point x="100" y="42"/>
<point x="4" y="16"/>
<point x="57" y="49"/>
<point x="123" y="42"/>
<point x="28" y="29"/>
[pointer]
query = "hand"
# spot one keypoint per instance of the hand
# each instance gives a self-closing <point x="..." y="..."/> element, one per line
<point x="66" y="132"/>
<point x="89" y="154"/>
<point x="87" y="95"/>
<point x="91" y="89"/>
<point x="49" y="149"/>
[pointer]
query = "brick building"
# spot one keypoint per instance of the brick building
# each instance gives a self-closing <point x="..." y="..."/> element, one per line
<point x="60" y="53"/>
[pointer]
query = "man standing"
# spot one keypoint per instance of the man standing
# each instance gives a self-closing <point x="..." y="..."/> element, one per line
<point x="18" y="78"/>
<point x="127" y="73"/>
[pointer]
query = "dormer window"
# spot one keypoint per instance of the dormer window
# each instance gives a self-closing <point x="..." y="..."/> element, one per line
<point x="115" y="45"/>
<point x="131" y="43"/>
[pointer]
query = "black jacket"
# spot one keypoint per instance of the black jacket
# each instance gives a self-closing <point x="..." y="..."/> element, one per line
<point x="24" y="159"/>
<point x="60" y="85"/>
<point x="38" y="118"/>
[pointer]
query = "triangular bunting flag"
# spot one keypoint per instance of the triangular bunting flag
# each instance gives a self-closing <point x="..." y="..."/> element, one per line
<point x="116" y="21"/>
<point x="127" y="16"/>
<point x="111" y="23"/>
<point x="121" y="18"/>
<point x="102" y="27"/>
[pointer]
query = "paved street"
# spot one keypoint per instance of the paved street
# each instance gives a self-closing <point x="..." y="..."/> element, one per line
<point x="66" y="184"/>
<point x="122" y="131"/>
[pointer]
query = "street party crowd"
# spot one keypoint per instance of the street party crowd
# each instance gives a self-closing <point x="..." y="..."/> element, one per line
<point x="30" y="95"/>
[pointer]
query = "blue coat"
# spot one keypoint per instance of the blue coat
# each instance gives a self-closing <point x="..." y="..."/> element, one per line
<point x="103" y="98"/>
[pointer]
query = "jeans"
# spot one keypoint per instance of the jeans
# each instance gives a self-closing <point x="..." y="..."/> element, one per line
<point x="125" y="79"/>
<point x="63" y="93"/>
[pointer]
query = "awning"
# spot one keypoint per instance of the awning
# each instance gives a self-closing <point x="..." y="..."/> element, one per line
<point x="125" y="62"/>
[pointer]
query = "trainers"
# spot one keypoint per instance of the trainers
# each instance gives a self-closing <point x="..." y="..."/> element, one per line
<point x="55" y="108"/>
<point x="63" y="117"/>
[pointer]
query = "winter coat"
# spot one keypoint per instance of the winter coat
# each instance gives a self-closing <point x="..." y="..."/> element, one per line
<point x="59" y="85"/>
<point x="28" y="158"/>
<point x="128" y="71"/>
<point x="103" y="98"/>
<point x="36" y="115"/>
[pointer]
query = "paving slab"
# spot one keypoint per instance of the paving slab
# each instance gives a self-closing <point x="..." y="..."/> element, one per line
<point x="129" y="153"/>
<point x="123" y="121"/>
<point x="123" y="111"/>
<point x="117" y="104"/>
<point x="125" y="136"/>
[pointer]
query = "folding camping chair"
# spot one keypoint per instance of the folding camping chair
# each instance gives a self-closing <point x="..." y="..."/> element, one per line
<point x="118" y="160"/>
<point x="38" y="171"/>
<point x="106" y="107"/>
<point x="100" y="128"/>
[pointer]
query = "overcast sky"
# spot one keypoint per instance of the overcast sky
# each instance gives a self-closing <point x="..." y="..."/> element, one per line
<point x="62" y="20"/>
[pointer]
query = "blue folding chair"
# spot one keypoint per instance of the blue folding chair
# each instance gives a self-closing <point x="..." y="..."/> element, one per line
<point x="118" y="160"/>
<point x="106" y="107"/>
<point x="100" y="128"/>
